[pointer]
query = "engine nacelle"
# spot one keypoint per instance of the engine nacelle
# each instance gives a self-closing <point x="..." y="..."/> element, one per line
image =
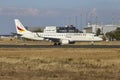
<point x="72" y="42"/>
<point x="65" y="41"/>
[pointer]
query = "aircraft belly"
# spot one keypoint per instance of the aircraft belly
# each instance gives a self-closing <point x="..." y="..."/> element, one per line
<point x="82" y="39"/>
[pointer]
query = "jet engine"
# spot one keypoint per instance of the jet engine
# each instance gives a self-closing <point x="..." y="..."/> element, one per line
<point x="65" y="41"/>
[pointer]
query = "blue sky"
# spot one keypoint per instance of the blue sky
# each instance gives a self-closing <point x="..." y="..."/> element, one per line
<point x="56" y="12"/>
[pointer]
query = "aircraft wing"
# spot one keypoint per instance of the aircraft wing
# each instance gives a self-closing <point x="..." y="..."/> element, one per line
<point x="52" y="39"/>
<point x="49" y="38"/>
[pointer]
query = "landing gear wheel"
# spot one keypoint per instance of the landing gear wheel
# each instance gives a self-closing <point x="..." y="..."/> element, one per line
<point x="59" y="44"/>
<point x="55" y="44"/>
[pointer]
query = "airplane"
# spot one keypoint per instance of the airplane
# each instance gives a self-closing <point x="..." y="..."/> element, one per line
<point x="57" y="38"/>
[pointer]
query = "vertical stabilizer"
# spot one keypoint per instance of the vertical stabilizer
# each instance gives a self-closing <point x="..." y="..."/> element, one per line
<point x="19" y="27"/>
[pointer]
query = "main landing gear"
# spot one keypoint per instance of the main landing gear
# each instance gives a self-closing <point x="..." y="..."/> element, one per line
<point x="57" y="44"/>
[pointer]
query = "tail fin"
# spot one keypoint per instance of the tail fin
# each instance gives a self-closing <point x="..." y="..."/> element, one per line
<point x="19" y="27"/>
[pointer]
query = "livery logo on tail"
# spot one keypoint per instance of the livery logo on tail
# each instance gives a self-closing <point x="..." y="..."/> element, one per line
<point x="20" y="29"/>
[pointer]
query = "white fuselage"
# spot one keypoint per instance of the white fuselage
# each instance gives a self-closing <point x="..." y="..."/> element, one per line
<point x="66" y="36"/>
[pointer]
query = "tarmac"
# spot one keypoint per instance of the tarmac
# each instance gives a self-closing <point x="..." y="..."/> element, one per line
<point x="62" y="46"/>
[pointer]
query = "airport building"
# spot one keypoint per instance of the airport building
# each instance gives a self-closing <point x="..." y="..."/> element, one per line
<point x="55" y="29"/>
<point x="92" y="28"/>
<point x="108" y="28"/>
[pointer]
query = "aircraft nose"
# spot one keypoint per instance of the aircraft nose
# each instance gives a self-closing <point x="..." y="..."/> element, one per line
<point x="98" y="39"/>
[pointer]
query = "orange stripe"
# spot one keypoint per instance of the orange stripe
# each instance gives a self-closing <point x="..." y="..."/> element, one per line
<point x="21" y="30"/>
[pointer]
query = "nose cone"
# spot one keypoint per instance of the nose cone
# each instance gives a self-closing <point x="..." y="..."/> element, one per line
<point x="97" y="39"/>
<point x="100" y="39"/>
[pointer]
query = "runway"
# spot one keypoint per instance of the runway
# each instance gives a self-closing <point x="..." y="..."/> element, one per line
<point x="63" y="46"/>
